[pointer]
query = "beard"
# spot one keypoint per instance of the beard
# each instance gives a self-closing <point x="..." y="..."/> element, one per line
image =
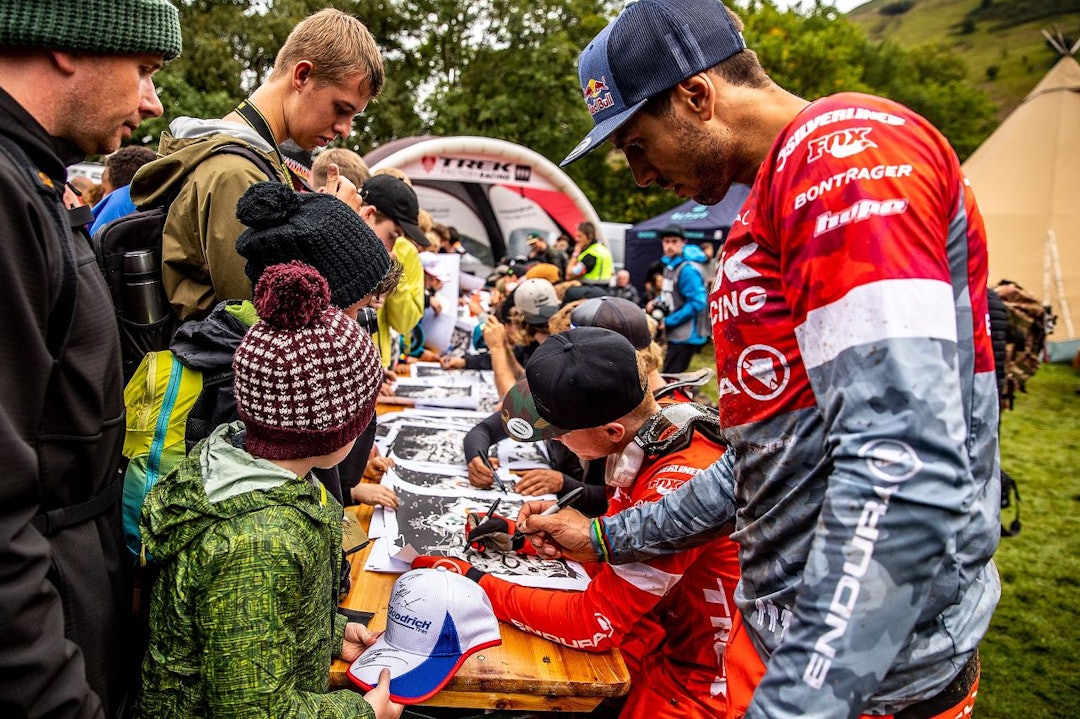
<point x="709" y="160"/>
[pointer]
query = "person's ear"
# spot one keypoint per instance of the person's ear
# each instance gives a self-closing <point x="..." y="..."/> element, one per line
<point x="301" y="74"/>
<point x="696" y="93"/>
<point x="614" y="432"/>
<point x="367" y="214"/>
<point x="66" y="62"/>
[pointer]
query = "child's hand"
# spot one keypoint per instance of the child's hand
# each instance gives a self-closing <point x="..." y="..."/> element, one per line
<point x="494" y="333"/>
<point x="357" y="639"/>
<point x="374" y="494"/>
<point x="389" y="382"/>
<point x="539" y="481"/>
<point x="379" y="698"/>
<point x="341" y="187"/>
<point x="377" y="466"/>
<point x="452" y="362"/>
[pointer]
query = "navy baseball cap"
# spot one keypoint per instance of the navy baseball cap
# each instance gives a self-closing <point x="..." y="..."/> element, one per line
<point x="650" y="47"/>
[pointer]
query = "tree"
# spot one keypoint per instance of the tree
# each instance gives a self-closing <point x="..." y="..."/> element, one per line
<point x="818" y="52"/>
<point x="508" y="69"/>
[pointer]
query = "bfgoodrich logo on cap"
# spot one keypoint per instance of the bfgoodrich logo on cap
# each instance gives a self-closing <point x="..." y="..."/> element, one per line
<point x="437" y="620"/>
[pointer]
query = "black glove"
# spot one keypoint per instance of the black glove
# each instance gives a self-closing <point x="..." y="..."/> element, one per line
<point x="496" y="533"/>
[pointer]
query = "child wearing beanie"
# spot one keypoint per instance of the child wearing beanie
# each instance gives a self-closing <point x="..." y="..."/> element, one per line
<point x="318" y="230"/>
<point x="244" y="615"/>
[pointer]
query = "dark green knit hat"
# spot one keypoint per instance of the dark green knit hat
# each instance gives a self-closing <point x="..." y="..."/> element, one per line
<point x="107" y="26"/>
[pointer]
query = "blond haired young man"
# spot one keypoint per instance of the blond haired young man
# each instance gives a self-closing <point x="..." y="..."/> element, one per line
<point x="324" y="75"/>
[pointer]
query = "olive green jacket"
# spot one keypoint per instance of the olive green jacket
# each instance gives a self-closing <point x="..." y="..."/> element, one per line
<point x="200" y="265"/>
<point x="243" y="618"/>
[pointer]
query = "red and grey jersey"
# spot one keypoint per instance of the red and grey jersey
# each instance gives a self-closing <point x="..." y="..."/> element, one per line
<point x="858" y="399"/>
<point x="674" y="610"/>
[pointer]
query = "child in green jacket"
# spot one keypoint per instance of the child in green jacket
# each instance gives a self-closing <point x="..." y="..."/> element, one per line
<point x="243" y="618"/>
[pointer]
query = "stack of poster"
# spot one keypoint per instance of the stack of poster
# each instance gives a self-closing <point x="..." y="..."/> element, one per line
<point x="434" y="496"/>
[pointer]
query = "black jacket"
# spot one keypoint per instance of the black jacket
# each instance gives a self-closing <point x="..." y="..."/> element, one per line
<point x="64" y="592"/>
<point x="593" y="501"/>
<point x="999" y="327"/>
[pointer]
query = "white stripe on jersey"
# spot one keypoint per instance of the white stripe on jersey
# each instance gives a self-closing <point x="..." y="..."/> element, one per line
<point x="646" y="578"/>
<point x="882" y="310"/>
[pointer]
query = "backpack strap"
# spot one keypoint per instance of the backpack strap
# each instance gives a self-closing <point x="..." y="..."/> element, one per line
<point x="56" y="334"/>
<point x="63" y="309"/>
<point x="53" y="521"/>
<point x="268" y="168"/>
<point x="79" y="217"/>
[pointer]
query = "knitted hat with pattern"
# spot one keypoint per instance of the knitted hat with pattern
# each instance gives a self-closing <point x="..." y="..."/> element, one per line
<point x="314" y="228"/>
<point x="306" y="376"/>
<point x="119" y="27"/>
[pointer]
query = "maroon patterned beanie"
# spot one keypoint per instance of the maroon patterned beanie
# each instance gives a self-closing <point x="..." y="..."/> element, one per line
<point x="306" y="377"/>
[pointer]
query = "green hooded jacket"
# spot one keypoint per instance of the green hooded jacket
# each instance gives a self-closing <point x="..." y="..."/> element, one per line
<point x="243" y="621"/>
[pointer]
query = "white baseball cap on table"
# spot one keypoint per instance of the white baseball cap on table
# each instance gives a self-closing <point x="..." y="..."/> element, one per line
<point x="437" y="619"/>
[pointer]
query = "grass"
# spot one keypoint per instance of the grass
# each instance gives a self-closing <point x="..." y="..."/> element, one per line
<point x="1029" y="660"/>
<point x="1019" y="52"/>
<point x="1029" y="656"/>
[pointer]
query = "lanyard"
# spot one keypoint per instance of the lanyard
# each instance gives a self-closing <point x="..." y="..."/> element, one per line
<point x="258" y="123"/>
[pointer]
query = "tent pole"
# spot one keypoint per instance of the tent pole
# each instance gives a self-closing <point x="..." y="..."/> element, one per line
<point x="1059" y="283"/>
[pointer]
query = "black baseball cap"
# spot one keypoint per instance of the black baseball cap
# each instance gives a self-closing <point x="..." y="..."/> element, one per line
<point x="582" y="292"/>
<point x="616" y="314"/>
<point x="395" y="199"/>
<point x="581" y="378"/>
<point x="673" y="231"/>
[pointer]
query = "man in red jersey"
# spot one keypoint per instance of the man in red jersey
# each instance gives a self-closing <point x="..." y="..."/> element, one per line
<point x="854" y="367"/>
<point x="669" y="616"/>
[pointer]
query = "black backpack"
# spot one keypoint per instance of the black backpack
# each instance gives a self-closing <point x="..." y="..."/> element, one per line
<point x="128" y="251"/>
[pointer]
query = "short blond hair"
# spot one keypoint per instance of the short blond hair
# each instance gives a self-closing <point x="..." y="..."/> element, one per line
<point x="424" y="221"/>
<point x="350" y="165"/>
<point x="653" y="356"/>
<point x="394" y="172"/>
<point x="337" y="45"/>
<point x="648" y="406"/>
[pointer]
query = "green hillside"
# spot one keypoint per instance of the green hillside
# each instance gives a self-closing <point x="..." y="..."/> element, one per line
<point x="1000" y="40"/>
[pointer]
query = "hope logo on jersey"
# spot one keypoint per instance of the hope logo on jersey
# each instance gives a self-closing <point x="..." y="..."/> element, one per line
<point x="861" y="210"/>
<point x="890" y="459"/>
<point x="840" y="144"/>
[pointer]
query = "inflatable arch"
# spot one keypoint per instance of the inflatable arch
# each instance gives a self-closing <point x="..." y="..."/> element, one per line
<point x="493" y="191"/>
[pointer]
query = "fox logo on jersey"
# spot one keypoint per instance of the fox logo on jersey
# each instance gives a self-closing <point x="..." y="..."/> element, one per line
<point x="840" y="144"/>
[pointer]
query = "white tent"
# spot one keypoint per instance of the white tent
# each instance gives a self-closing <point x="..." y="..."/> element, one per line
<point x="1026" y="178"/>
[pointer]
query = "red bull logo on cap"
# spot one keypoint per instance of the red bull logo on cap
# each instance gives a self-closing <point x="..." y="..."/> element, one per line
<point x="596" y="94"/>
<point x="594" y="88"/>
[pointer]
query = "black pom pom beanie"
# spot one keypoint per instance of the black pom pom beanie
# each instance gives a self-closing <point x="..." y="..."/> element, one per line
<point x="316" y="229"/>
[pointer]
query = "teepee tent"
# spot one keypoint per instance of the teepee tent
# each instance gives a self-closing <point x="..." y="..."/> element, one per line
<point x="1026" y="178"/>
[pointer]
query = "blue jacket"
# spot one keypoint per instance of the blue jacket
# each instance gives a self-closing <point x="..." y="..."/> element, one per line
<point x="684" y="291"/>
<point x="115" y="204"/>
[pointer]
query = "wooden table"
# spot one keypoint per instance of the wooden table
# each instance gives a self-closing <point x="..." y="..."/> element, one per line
<point x="524" y="672"/>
